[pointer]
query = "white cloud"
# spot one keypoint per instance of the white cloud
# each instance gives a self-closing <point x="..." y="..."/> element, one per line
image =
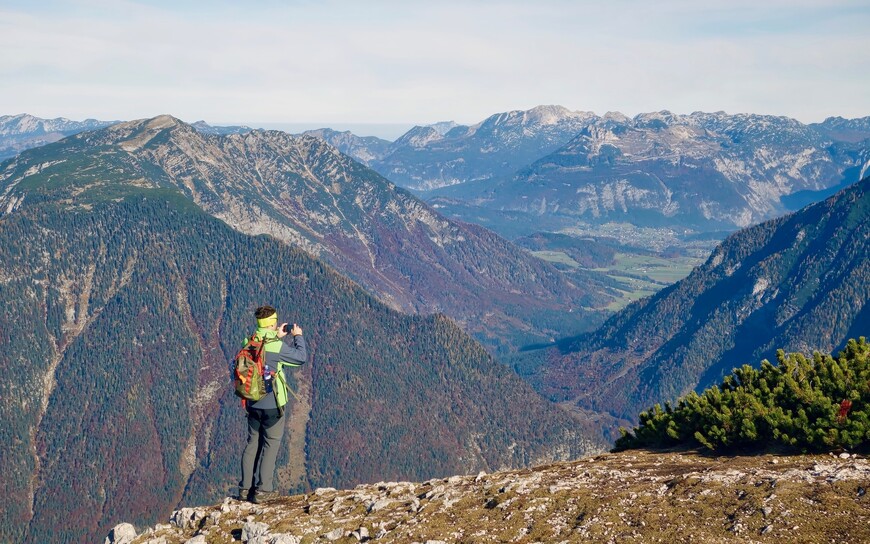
<point x="393" y="61"/>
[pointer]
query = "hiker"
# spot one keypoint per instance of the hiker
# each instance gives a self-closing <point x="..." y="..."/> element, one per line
<point x="265" y="416"/>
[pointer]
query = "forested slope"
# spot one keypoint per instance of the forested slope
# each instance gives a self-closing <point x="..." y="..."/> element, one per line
<point x="120" y="308"/>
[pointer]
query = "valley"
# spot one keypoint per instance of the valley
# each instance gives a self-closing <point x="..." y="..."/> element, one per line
<point x="513" y="349"/>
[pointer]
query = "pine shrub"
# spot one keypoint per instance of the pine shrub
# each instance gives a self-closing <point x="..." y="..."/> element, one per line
<point x="806" y="404"/>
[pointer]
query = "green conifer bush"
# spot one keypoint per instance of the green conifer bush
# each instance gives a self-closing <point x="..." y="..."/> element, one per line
<point x="807" y="404"/>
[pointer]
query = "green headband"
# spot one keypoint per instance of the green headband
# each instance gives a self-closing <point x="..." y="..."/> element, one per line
<point x="268" y="321"/>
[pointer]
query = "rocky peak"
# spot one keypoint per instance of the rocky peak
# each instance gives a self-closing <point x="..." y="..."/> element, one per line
<point x="551" y="115"/>
<point x="759" y="129"/>
<point x="16" y="124"/>
<point x="328" y="133"/>
<point x="845" y="130"/>
<point x="637" y="495"/>
<point x="444" y="127"/>
<point x="134" y="135"/>
<point x="537" y="117"/>
<point x="26" y="123"/>
<point x="657" y="120"/>
<point x="616" y="117"/>
<point x="418" y="137"/>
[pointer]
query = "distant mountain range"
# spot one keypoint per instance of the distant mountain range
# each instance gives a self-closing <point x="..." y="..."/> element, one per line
<point x="704" y="171"/>
<point x="122" y="302"/>
<point x="426" y="157"/>
<point x="800" y="282"/>
<point x="20" y="132"/>
<point x="553" y="167"/>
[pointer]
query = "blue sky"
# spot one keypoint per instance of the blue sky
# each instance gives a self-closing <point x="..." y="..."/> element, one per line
<point x="337" y="62"/>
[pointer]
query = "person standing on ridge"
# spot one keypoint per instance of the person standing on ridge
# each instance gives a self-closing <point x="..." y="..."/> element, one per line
<point x="265" y="416"/>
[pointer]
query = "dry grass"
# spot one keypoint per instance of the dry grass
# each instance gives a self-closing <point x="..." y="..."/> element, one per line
<point x="633" y="496"/>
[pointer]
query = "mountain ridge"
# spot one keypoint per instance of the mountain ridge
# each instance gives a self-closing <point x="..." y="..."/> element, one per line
<point x="424" y="158"/>
<point x="701" y="171"/>
<point x="305" y="192"/>
<point x="25" y="131"/>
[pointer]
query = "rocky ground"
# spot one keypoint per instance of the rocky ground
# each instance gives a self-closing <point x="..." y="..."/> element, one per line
<point x="634" y="496"/>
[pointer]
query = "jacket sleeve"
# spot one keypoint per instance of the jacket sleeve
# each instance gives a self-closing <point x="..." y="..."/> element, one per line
<point x="293" y="353"/>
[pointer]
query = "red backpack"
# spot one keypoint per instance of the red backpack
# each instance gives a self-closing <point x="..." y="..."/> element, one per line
<point x="249" y="369"/>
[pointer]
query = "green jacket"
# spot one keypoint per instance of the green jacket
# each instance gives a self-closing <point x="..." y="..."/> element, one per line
<point x="280" y="353"/>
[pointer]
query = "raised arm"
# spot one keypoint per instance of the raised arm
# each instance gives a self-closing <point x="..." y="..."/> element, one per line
<point x="293" y="352"/>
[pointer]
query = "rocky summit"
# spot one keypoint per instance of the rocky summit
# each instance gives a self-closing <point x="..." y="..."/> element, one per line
<point x="636" y="496"/>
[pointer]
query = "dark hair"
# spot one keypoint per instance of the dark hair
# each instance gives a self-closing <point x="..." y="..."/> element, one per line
<point x="264" y="311"/>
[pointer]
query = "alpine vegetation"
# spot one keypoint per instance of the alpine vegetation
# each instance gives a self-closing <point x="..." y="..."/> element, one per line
<point x="807" y="404"/>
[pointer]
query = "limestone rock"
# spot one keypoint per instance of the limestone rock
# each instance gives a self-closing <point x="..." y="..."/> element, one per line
<point x="253" y="530"/>
<point x="123" y="533"/>
<point x="188" y="518"/>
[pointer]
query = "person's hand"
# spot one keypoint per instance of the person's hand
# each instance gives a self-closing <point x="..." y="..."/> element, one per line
<point x="282" y="330"/>
<point x="296" y="330"/>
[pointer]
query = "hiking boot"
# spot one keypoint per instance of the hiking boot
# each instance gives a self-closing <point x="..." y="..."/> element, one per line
<point x="244" y="494"/>
<point x="262" y="496"/>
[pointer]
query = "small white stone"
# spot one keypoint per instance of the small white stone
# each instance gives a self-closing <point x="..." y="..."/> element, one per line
<point x="254" y="529"/>
<point x="282" y="538"/>
<point x="334" y="534"/>
<point x="379" y="505"/>
<point x="123" y="533"/>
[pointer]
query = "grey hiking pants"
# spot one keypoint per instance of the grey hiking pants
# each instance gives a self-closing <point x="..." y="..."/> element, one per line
<point x="265" y="430"/>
